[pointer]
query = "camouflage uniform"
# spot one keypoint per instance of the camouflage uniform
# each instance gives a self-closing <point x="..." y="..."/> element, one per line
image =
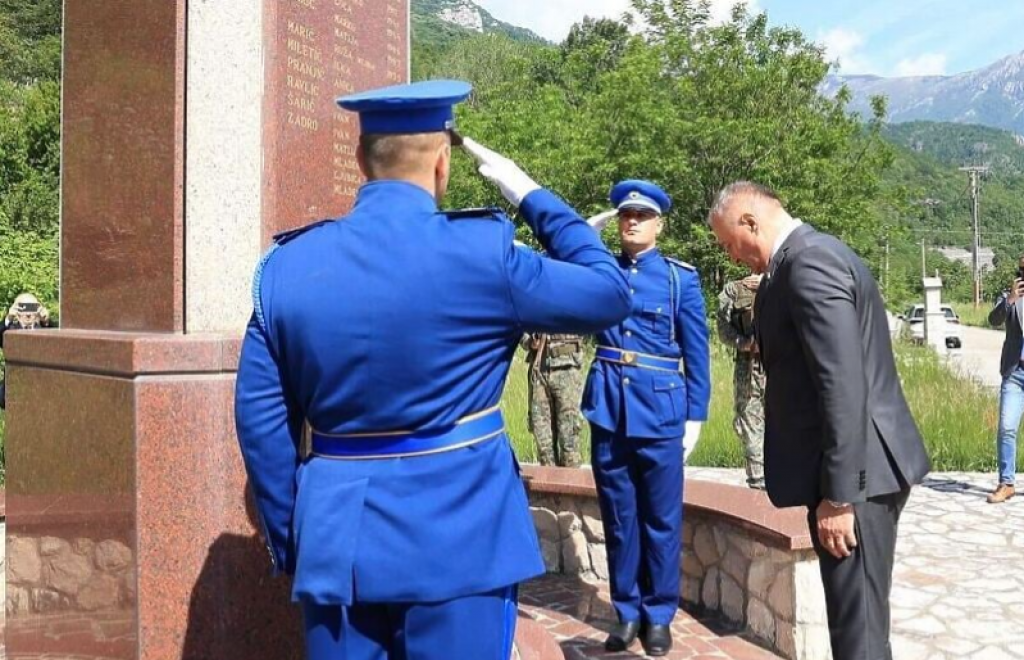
<point x="556" y="384"/>
<point x="735" y="327"/>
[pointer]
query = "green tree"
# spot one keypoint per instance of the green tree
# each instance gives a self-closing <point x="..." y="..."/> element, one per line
<point x="690" y="106"/>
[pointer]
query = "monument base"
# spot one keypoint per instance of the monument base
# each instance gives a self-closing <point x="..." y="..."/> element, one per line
<point x="128" y="531"/>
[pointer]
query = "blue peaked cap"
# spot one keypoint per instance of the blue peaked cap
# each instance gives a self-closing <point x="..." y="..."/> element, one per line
<point x="634" y="193"/>
<point x="422" y="107"/>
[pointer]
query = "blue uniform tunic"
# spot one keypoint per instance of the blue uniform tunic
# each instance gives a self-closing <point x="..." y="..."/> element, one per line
<point x="401" y="317"/>
<point x="637" y="418"/>
<point x="667" y="320"/>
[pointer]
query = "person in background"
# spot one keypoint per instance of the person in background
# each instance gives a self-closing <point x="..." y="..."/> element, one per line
<point x="25" y="313"/>
<point x="735" y="321"/>
<point x="555" y="383"/>
<point x="1009" y="312"/>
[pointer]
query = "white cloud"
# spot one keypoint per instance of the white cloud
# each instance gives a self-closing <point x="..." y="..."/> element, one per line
<point x="721" y="10"/>
<point x="552" y="19"/>
<point x="928" y="64"/>
<point x="844" y="45"/>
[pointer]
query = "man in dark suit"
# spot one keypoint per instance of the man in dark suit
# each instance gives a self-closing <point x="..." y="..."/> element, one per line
<point x="1009" y="311"/>
<point x="839" y="436"/>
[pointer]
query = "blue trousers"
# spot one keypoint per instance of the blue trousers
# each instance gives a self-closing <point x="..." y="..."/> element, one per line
<point x="640" y="490"/>
<point x="480" y="627"/>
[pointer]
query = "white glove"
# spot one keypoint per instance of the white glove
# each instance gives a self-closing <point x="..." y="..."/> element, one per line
<point x="690" y="437"/>
<point x="514" y="183"/>
<point x="601" y="220"/>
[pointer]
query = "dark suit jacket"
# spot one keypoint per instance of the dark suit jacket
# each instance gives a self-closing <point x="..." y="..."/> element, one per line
<point x="837" y="425"/>
<point x="1012" y="316"/>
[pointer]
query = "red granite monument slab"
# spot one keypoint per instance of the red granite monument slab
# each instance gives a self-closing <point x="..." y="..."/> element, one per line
<point x="122" y="226"/>
<point x="318" y="50"/>
<point x="129" y="534"/>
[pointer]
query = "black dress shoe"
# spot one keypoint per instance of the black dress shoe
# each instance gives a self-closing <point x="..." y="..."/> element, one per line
<point x="657" y="639"/>
<point x="622" y="635"/>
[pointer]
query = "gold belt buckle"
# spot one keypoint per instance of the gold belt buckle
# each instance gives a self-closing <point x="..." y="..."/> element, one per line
<point x="628" y="357"/>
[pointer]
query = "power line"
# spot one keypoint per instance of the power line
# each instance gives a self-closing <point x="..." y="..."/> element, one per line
<point x="973" y="171"/>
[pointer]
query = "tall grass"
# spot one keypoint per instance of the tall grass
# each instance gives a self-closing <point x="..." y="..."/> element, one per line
<point x="957" y="417"/>
<point x="973" y="316"/>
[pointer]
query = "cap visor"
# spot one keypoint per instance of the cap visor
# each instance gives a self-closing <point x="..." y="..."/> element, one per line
<point x="639" y="204"/>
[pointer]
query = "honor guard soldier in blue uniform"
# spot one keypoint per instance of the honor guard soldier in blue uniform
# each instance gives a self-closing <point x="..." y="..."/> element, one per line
<point x="369" y="382"/>
<point x="640" y="401"/>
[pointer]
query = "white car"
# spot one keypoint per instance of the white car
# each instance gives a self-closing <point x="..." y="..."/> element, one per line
<point x="915" y="322"/>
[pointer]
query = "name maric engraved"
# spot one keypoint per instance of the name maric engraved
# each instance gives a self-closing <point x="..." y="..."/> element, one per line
<point x="301" y="31"/>
<point x="308" y="4"/>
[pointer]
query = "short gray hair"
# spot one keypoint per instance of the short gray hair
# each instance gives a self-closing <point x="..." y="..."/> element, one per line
<point x="737" y="188"/>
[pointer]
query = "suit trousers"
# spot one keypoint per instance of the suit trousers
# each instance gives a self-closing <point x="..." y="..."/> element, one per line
<point x="640" y="491"/>
<point x="481" y="627"/>
<point x="857" y="587"/>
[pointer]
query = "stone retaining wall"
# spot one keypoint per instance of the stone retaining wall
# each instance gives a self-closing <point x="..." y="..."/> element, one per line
<point x="773" y="593"/>
<point x="46" y="574"/>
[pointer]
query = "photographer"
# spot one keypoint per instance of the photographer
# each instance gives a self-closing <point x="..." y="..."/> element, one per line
<point x="1009" y="311"/>
<point x="26" y="313"/>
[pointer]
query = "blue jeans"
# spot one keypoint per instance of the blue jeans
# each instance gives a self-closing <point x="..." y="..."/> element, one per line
<point x="1011" y="408"/>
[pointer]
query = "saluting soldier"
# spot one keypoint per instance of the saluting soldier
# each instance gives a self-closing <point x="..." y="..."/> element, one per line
<point x="735" y="322"/>
<point x="555" y="384"/>
<point x="381" y="341"/>
<point x="644" y="407"/>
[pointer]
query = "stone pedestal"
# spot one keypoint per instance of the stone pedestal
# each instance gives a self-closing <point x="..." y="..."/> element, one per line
<point x="192" y="132"/>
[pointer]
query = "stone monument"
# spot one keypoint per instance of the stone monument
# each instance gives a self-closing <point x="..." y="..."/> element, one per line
<point x="192" y="132"/>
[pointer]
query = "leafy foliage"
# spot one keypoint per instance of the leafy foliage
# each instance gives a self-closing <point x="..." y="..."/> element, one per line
<point x="29" y="148"/>
<point x="686" y="104"/>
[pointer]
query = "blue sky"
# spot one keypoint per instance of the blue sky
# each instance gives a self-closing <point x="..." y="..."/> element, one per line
<point x="883" y="37"/>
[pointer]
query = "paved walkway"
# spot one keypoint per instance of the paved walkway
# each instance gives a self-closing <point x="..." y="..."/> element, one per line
<point x="579" y="615"/>
<point x="979" y="356"/>
<point x="958" y="586"/>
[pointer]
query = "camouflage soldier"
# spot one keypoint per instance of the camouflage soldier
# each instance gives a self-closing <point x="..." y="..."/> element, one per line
<point x="736" y="328"/>
<point x="556" y="382"/>
<point x="26" y="313"/>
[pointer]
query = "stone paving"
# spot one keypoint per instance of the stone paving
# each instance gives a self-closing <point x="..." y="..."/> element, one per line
<point x="958" y="586"/>
<point x="578" y="614"/>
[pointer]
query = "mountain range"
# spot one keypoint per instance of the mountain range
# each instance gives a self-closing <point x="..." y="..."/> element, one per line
<point x="992" y="96"/>
<point x="448" y="19"/>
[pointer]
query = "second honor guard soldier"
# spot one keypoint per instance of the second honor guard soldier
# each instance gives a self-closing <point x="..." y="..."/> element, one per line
<point x="639" y="405"/>
<point x="369" y="382"/>
<point x="556" y="379"/>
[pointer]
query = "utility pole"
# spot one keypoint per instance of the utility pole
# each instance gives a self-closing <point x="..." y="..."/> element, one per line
<point x="886" y="279"/>
<point x="924" y="263"/>
<point x="973" y="171"/>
